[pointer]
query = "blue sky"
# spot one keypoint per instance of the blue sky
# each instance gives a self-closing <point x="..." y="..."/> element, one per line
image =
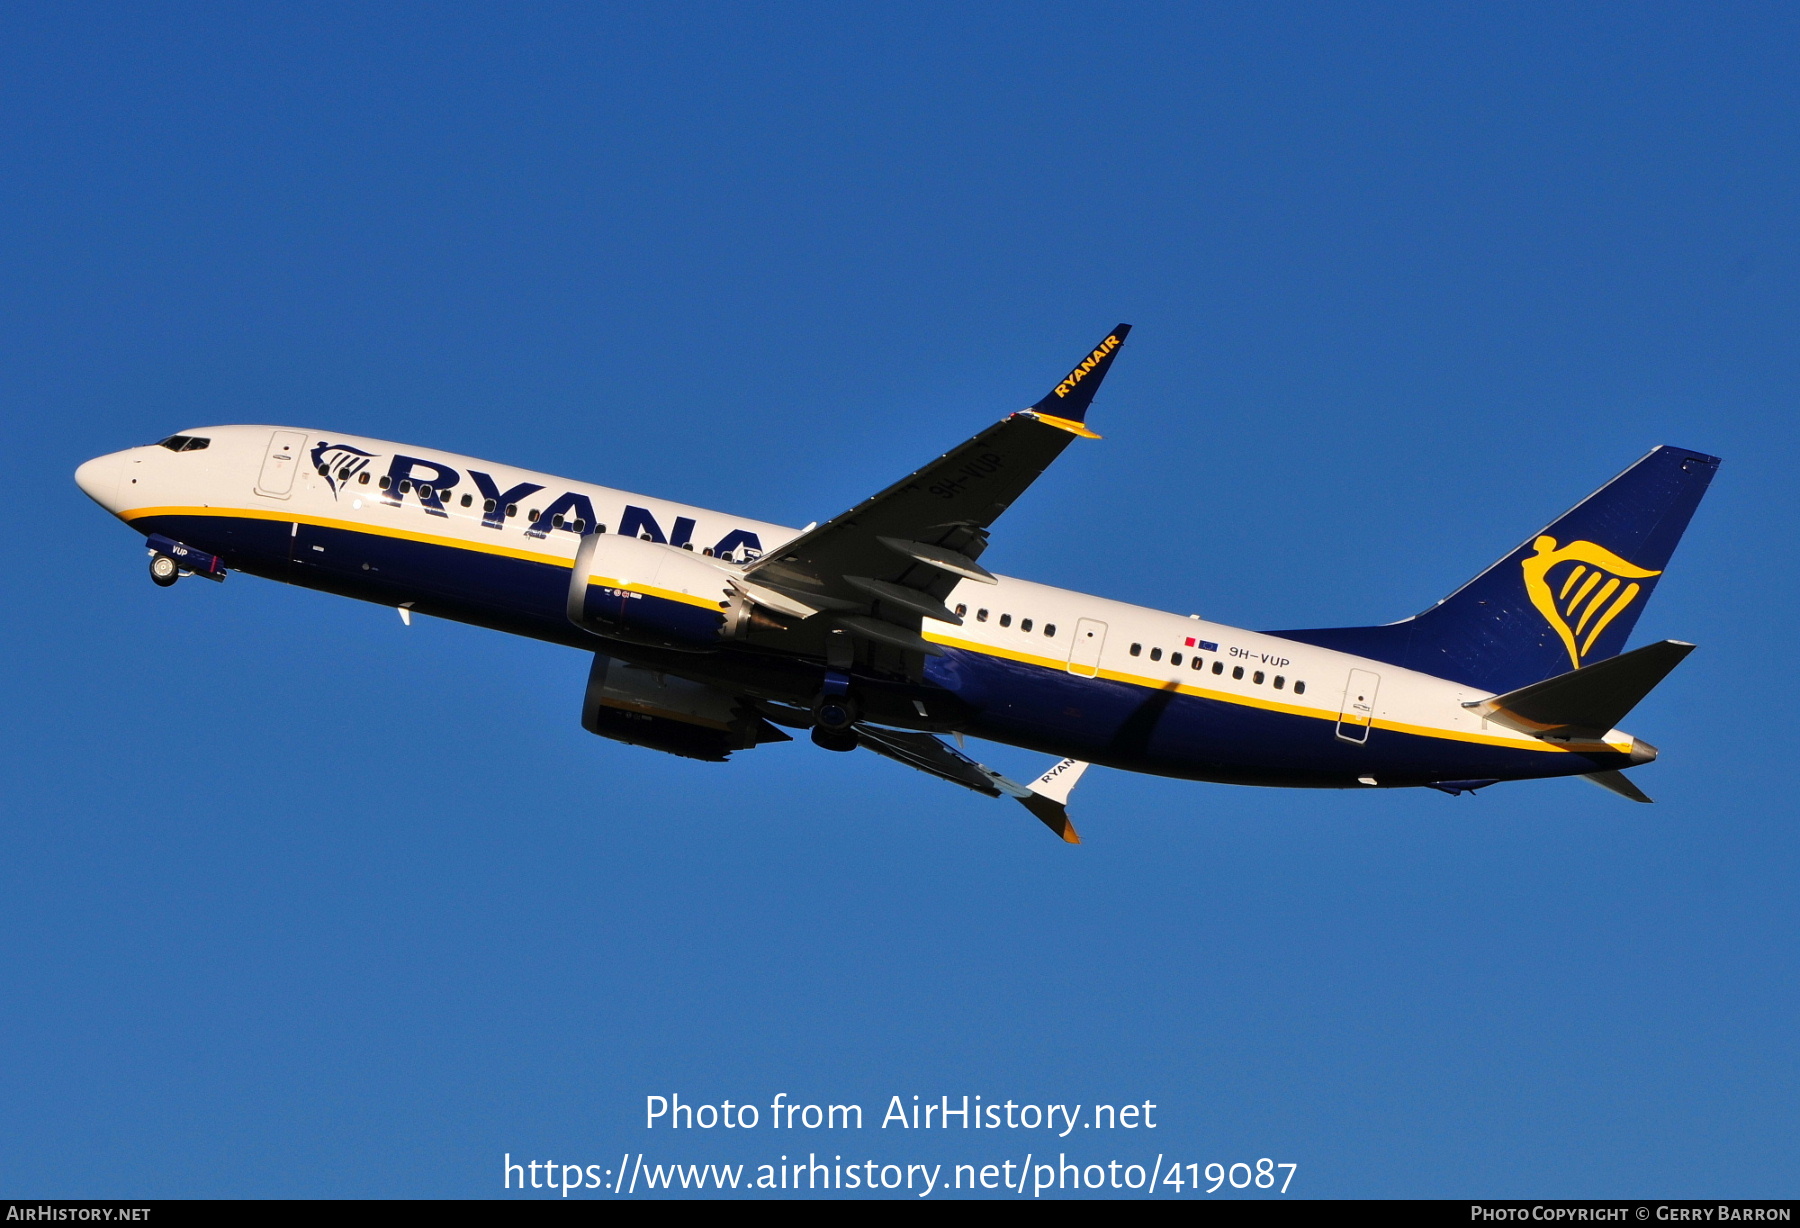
<point x="297" y="901"/>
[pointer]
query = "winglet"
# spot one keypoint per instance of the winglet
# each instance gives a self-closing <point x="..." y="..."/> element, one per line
<point x="1049" y="796"/>
<point x="1067" y="403"/>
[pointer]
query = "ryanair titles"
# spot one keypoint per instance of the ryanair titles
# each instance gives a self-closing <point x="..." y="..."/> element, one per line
<point x="436" y="486"/>
<point x="1087" y="364"/>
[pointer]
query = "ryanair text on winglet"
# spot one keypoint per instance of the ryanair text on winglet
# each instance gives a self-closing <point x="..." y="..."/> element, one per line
<point x="1087" y="364"/>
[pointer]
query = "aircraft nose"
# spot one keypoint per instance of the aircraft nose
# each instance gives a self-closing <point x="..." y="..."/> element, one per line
<point x="99" y="479"/>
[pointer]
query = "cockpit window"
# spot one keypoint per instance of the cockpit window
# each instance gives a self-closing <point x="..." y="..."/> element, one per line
<point x="183" y="443"/>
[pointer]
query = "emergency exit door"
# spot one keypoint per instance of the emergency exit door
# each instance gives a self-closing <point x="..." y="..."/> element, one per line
<point x="1358" y="712"/>
<point x="1084" y="653"/>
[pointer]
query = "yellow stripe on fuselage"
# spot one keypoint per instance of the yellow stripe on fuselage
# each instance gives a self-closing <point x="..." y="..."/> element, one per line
<point x="1057" y="664"/>
<point x="1267" y="705"/>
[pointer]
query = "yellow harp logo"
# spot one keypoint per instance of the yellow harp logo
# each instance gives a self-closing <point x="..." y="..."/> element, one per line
<point x="1581" y="601"/>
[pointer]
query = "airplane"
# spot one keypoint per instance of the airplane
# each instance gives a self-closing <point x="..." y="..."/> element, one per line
<point x="712" y="633"/>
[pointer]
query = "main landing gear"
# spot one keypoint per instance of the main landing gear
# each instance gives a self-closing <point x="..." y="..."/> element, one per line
<point x="164" y="570"/>
<point x="834" y="717"/>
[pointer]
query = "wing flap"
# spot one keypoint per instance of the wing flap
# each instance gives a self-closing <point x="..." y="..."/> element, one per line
<point x="952" y="561"/>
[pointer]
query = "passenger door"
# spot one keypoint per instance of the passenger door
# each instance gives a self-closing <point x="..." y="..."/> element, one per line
<point x="1358" y="712"/>
<point x="280" y="464"/>
<point x="1084" y="653"/>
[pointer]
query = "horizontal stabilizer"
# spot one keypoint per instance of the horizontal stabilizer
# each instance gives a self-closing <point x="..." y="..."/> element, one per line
<point x="1589" y="700"/>
<point x="1617" y="782"/>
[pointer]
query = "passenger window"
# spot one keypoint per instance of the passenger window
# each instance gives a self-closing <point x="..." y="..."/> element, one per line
<point x="405" y="486"/>
<point x="512" y="509"/>
<point x="362" y="479"/>
<point x="1257" y="677"/>
<point x="467" y="500"/>
<point x="488" y="505"/>
<point x="1199" y="664"/>
<point x="1006" y="620"/>
<point x="343" y="475"/>
<point x="384" y="481"/>
<point x="556" y="522"/>
<point x="533" y="516"/>
<point x="1136" y="649"/>
<point x="1237" y="671"/>
<point x="980" y="616"/>
<point x="1280" y="682"/>
<point x="961" y="609"/>
<point x="425" y="494"/>
<point x="1299" y="688"/>
<point x="1218" y="667"/>
<point x="581" y="527"/>
<point x="1024" y="624"/>
<point x="1156" y="654"/>
<point x="1050" y="629"/>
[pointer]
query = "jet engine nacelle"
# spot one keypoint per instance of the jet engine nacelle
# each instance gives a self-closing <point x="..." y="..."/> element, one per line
<point x="650" y="593"/>
<point x="664" y="712"/>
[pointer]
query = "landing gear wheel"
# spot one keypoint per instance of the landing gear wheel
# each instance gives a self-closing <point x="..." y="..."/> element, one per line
<point x="834" y="721"/>
<point x="834" y="713"/>
<point x="164" y="570"/>
<point x="834" y="739"/>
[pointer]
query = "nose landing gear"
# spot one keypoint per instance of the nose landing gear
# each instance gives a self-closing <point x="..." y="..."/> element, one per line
<point x="164" y="570"/>
<point x="170" y="560"/>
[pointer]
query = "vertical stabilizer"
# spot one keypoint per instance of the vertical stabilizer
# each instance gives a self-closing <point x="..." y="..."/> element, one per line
<point x="1567" y="597"/>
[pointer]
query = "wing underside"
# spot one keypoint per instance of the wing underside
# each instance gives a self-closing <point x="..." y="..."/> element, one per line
<point x="1047" y="797"/>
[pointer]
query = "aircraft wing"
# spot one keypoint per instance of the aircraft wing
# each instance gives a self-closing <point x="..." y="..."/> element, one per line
<point x="1047" y="797"/>
<point x="939" y="758"/>
<point x="889" y="562"/>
